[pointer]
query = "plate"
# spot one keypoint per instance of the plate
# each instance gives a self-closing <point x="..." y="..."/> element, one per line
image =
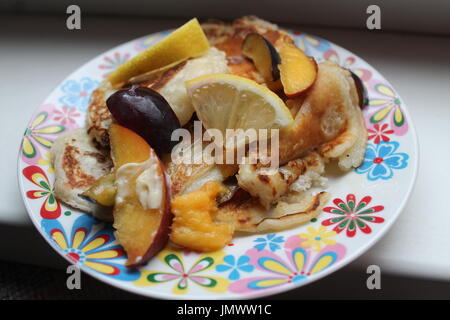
<point x="364" y="202"/>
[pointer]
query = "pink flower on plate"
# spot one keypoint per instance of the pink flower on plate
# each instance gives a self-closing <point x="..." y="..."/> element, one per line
<point x="66" y="116"/>
<point x="296" y="263"/>
<point x="378" y="133"/>
<point x="347" y="62"/>
<point x="112" y="62"/>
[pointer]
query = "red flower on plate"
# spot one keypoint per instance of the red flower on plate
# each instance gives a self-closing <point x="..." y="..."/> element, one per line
<point x="352" y="216"/>
<point x="50" y="208"/>
<point x="379" y="133"/>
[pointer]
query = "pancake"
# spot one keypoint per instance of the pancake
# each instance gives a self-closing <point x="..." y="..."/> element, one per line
<point x="247" y="214"/>
<point x="268" y="187"/>
<point x="98" y="117"/>
<point x="328" y="119"/>
<point x="78" y="164"/>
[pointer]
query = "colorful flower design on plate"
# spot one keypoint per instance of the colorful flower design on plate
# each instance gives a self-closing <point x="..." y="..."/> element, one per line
<point x="272" y="241"/>
<point x="388" y="105"/>
<point x="91" y="244"/>
<point x="349" y="63"/>
<point x="66" y="116"/>
<point x="296" y="264"/>
<point x="380" y="160"/>
<point x="235" y="266"/>
<point x="78" y="93"/>
<point x="39" y="134"/>
<point x="379" y="133"/>
<point x="50" y="209"/>
<point x="352" y="216"/>
<point x="112" y="62"/>
<point x="183" y="276"/>
<point x="307" y="43"/>
<point x="316" y="238"/>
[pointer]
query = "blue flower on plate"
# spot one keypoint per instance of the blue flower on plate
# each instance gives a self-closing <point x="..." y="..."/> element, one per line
<point x="230" y="263"/>
<point x="271" y="240"/>
<point x="308" y="43"/>
<point x="381" y="159"/>
<point x="77" y="93"/>
<point x="92" y="244"/>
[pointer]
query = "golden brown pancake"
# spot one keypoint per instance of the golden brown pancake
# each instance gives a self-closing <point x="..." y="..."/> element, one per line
<point x="248" y="215"/>
<point x="328" y="119"/>
<point x="78" y="164"/>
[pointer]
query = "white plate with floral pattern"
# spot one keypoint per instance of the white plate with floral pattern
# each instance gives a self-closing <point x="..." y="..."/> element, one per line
<point x="364" y="203"/>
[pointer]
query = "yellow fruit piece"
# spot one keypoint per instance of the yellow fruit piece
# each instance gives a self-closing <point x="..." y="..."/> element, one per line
<point x="298" y="72"/>
<point x="127" y="146"/>
<point x="187" y="41"/>
<point x="224" y="101"/>
<point x="193" y="225"/>
<point x="103" y="191"/>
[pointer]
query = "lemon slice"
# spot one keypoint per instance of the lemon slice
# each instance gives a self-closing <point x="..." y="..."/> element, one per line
<point x="187" y="41"/>
<point x="224" y="101"/>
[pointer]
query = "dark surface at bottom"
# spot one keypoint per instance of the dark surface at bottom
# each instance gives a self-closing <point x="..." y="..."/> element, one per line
<point x="23" y="282"/>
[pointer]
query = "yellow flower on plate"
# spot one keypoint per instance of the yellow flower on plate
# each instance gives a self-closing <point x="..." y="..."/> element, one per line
<point x="185" y="272"/>
<point x="316" y="238"/>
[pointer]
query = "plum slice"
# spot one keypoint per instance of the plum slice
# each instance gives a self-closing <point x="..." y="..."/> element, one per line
<point x="361" y="89"/>
<point x="263" y="54"/>
<point x="147" y="113"/>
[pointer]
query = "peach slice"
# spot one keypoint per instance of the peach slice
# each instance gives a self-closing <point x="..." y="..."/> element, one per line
<point x="298" y="72"/>
<point x="141" y="212"/>
<point x="127" y="146"/>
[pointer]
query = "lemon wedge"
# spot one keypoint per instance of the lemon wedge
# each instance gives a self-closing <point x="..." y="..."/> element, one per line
<point x="225" y="101"/>
<point x="187" y="41"/>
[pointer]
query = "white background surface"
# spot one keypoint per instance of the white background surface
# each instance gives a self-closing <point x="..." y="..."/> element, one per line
<point x="37" y="53"/>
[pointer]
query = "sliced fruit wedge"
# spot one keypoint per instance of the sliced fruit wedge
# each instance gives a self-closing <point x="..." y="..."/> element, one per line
<point x="224" y="101"/>
<point x="298" y="72"/>
<point x="127" y="146"/>
<point x="187" y="41"/>
<point x="361" y="89"/>
<point x="152" y="74"/>
<point x="103" y="191"/>
<point x="141" y="212"/>
<point x="263" y="54"/>
<point x="147" y="113"/>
